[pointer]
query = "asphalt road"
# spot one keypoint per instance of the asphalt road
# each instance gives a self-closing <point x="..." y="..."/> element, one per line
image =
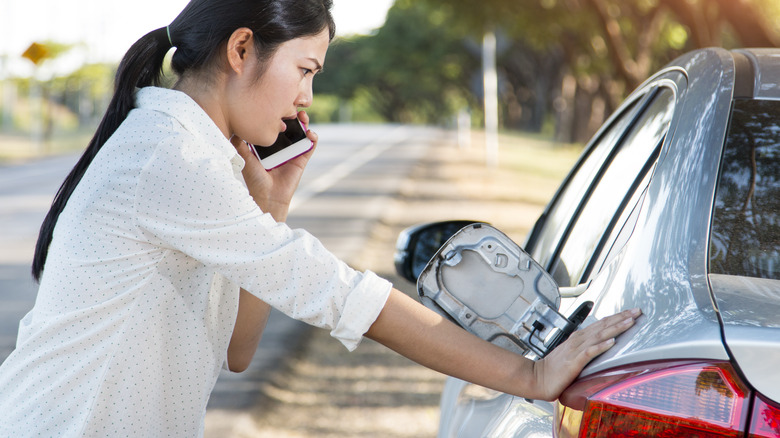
<point x="355" y="172"/>
<point x="26" y="191"/>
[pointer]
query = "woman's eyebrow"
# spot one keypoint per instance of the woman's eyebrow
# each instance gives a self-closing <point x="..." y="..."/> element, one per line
<point x="317" y="63"/>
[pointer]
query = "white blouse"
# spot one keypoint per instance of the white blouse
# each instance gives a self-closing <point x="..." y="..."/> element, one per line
<point x="140" y="291"/>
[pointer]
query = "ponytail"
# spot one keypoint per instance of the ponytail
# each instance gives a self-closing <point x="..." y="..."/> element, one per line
<point x="140" y="67"/>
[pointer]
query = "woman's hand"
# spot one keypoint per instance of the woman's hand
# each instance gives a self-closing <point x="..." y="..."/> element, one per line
<point x="272" y="190"/>
<point x="561" y="367"/>
<point x="418" y="333"/>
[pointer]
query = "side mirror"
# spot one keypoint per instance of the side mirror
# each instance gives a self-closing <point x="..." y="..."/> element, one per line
<point x="416" y="245"/>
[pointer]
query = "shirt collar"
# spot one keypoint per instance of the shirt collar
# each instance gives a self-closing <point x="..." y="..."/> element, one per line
<point x="190" y="115"/>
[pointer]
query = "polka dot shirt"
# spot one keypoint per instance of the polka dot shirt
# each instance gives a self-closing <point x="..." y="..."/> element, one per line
<point x="140" y="290"/>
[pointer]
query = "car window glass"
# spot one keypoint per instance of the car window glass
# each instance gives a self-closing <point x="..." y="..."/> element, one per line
<point x="568" y="200"/>
<point x="745" y="236"/>
<point x="631" y="161"/>
<point x="619" y="237"/>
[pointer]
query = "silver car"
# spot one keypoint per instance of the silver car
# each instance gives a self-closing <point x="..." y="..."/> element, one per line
<point x="673" y="207"/>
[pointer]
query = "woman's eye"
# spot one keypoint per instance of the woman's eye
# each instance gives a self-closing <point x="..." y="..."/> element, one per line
<point x="306" y="71"/>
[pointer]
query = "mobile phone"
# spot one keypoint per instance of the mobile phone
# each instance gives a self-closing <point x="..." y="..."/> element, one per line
<point x="290" y="144"/>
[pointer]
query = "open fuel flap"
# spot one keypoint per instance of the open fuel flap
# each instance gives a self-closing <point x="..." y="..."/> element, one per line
<point x="486" y="283"/>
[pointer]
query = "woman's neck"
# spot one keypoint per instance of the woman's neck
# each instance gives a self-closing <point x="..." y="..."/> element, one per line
<point x="208" y="96"/>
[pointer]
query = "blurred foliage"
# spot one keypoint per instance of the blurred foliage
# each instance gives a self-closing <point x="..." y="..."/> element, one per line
<point x="602" y="48"/>
<point x="81" y="96"/>
<point x="565" y="63"/>
<point x="571" y="61"/>
<point x="415" y="69"/>
<point x="86" y="91"/>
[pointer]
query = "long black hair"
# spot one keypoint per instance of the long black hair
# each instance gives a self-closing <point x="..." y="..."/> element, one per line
<point x="198" y="33"/>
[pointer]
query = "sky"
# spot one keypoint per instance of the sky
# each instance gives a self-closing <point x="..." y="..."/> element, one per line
<point x="110" y="27"/>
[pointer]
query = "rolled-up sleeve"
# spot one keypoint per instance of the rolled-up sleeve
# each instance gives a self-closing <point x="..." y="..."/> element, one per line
<point x="189" y="200"/>
<point x="360" y="310"/>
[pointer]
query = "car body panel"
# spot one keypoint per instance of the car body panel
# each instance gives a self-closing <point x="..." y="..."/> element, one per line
<point x="679" y="319"/>
<point x="499" y="416"/>
<point x="751" y="314"/>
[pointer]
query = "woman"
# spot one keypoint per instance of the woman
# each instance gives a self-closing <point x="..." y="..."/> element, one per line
<point x="166" y="245"/>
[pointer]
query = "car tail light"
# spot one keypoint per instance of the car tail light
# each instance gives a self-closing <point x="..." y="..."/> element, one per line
<point x="766" y="419"/>
<point x="681" y="399"/>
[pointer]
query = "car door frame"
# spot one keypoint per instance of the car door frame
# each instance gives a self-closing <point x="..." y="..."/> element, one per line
<point x="637" y="102"/>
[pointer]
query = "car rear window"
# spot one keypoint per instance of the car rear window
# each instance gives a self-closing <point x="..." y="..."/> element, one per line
<point x="745" y="238"/>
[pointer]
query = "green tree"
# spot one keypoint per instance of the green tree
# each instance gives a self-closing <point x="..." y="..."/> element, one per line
<point x="608" y="47"/>
<point x="85" y="91"/>
<point x="414" y="69"/>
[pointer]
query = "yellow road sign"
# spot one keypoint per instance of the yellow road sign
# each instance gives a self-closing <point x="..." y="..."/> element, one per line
<point x="36" y="53"/>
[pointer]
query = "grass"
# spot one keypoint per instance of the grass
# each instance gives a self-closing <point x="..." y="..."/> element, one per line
<point x="529" y="168"/>
<point x="527" y="153"/>
<point x="21" y="146"/>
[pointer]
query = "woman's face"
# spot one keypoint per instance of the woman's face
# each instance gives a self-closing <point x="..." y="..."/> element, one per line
<point x="258" y="106"/>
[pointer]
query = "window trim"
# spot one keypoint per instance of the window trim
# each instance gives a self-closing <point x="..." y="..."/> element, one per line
<point x="631" y="204"/>
<point x="631" y="108"/>
<point x="647" y="99"/>
<point x="601" y="257"/>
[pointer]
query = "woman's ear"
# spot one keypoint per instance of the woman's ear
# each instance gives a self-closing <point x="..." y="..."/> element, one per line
<point x="239" y="46"/>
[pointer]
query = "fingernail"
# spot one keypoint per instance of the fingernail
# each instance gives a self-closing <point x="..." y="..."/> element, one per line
<point x="636" y="311"/>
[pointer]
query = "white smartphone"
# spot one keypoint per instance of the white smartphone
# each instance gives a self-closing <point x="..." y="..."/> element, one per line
<point x="290" y="144"/>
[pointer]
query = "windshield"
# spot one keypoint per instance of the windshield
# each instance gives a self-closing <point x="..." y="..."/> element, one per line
<point x="745" y="237"/>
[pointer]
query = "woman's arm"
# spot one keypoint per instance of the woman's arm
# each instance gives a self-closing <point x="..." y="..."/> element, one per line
<point x="250" y="323"/>
<point x="425" y="337"/>
<point x="272" y="192"/>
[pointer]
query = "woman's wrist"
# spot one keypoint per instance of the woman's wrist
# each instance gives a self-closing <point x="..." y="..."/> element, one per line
<point x="277" y="209"/>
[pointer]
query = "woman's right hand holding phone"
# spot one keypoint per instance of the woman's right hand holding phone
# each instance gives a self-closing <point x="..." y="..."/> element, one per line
<point x="273" y="189"/>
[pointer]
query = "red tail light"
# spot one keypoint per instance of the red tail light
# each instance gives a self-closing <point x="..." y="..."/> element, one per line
<point x="766" y="419"/>
<point x="659" y="400"/>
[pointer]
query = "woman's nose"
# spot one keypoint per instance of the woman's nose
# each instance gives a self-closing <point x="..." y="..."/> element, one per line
<point x="305" y="97"/>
